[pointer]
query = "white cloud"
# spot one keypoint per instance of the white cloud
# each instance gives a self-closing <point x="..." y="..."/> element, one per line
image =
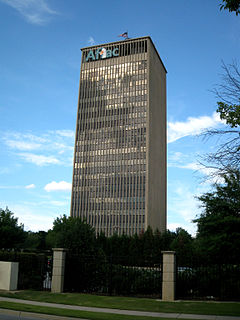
<point x="209" y="174"/>
<point x="34" y="11"/>
<point x="39" y="160"/>
<point x="30" y="186"/>
<point x="66" y="133"/>
<point x="58" y="186"/>
<point x="192" y="126"/>
<point x="91" y="41"/>
<point x="22" y="145"/>
<point x="31" y="218"/>
<point x="54" y="146"/>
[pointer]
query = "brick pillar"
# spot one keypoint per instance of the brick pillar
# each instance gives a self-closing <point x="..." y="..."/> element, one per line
<point x="169" y="276"/>
<point x="59" y="256"/>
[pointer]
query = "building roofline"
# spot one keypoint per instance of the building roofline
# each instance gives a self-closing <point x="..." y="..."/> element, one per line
<point x="125" y="41"/>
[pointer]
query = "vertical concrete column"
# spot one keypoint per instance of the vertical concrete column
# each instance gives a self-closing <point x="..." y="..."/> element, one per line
<point x="59" y="257"/>
<point x="169" y="276"/>
<point x="8" y="275"/>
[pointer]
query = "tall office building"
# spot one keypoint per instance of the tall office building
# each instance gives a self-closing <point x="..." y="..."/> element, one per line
<point x="119" y="174"/>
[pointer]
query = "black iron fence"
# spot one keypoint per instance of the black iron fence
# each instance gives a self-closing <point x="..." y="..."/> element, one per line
<point x="35" y="268"/>
<point x="112" y="275"/>
<point x="217" y="282"/>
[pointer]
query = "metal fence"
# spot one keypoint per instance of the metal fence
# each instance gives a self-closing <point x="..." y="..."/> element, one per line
<point x="35" y="268"/>
<point x="112" y="276"/>
<point x="216" y="282"/>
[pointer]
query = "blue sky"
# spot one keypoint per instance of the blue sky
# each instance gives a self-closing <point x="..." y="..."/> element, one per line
<point x="39" y="77"/>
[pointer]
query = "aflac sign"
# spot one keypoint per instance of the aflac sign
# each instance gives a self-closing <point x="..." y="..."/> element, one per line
<point x="102" y="53"/>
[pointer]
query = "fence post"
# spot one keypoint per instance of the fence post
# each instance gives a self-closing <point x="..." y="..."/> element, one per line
<point x="169" y="275"/>
<point x="59" y="257"/>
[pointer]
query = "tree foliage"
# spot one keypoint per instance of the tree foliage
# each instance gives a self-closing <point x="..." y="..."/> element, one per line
<point x="12" y="234"/>
<point x="73" y="234"/>
<point x="231" y="5"/>
<point x="218" y="233"/>
<point x="183" y="245"/>
<point x="229" y="113"/>
<point x="36" y="240"/>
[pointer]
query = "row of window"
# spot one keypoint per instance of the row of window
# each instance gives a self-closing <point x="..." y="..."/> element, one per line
<point x="112" y="114"/>
<point x="114" y="162"/>
<point x="111" y="133"/>
<point x="113" y="91"/>
<point x="122" y="118"/>
<point x="115" y="68"/>
<point x="117" y="79"/>
<point x="118" y="123"/>
<point x="87" y="145"/>
<point x="109" y="155"/>
<point x="120" y="180"/>
<point x="99" y="95"/>
<point x="133" y="198"/>
<point x="97" y="125"/>
<point x="109" y="193"/>
<point x="122" y="165"/>
<point x="115" y="83"/>
<point x="98" y="208"/>
<point x="104" y="105"/>
<point x="109" y="170"/>
<point x="111" y="144"/>
<point x="114" y="219"/>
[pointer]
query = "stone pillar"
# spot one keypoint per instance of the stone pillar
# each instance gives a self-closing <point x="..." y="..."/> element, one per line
<point x="59" y="256"/>
<point x="169" y="275"/>
<point x="8" y="275"/>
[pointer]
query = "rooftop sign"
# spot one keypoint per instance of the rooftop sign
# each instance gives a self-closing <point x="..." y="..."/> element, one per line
<point x="102" y="53"/>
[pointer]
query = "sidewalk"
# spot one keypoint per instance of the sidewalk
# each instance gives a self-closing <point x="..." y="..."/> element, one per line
<point x="115" y="311"/>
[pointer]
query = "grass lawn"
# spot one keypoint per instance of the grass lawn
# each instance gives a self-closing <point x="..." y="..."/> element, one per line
<point x="128" y="303"/>
<point x="74" y="313"/>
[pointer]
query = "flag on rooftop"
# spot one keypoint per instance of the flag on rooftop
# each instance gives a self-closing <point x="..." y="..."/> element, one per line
<point x="124" y="35"/>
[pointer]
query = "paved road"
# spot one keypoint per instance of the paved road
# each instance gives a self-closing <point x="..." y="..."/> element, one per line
<point x="18" y="315"/>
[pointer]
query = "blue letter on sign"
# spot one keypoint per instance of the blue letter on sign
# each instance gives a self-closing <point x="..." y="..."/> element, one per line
<point x="115" y="52"/>
<point x="90" y="55"/>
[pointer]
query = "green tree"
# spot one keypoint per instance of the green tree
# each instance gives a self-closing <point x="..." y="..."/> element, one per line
<point x="218" y="234"/>
<point x="147" y="244"/>
<point x="36" y="240"/>
<point x="167" y="238"/>
<point x="12" y="235"/>
<point x="229" y="113"/>
<point x="73" y="234"/>
<point x="183" y="246"/>
<point x="231" y="5"/>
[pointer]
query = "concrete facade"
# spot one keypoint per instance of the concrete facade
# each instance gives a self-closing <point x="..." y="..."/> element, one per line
<point x="8" y="275"/>
<point x="156" y="184"/>
<point x="59" y="258"/>
<point x="119" y="174"/>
